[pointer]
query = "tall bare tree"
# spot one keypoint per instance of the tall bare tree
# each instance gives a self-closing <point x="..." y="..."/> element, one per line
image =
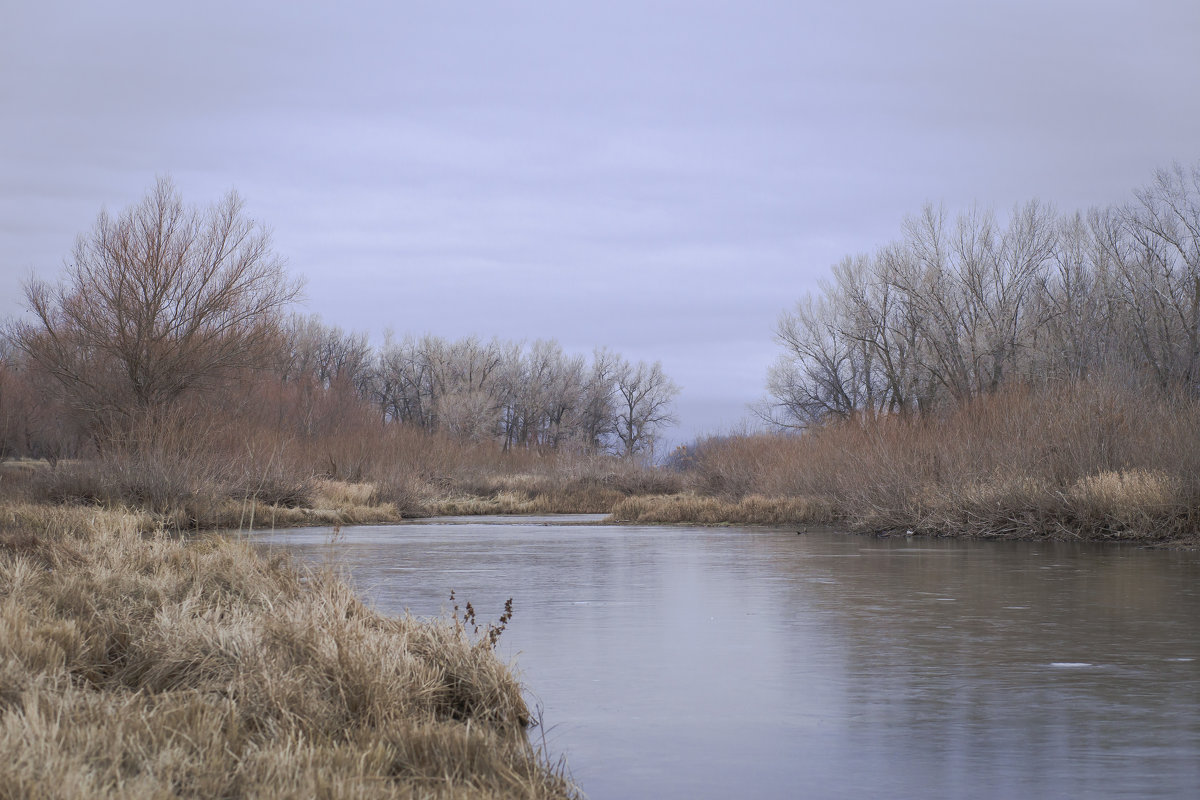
<point x="158" y="301"/>
<point x="644" y="396"/>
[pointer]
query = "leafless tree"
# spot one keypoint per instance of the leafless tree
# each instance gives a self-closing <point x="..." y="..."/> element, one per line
<point x="957" y="309"/>
<point x="644" y="397"/>
<point x="597" y="409"/>
<point x="1073" y="340"/>
<point x="326" y="354"/>
<point x="157" y="302"/>
<point x="1159" y="265"/>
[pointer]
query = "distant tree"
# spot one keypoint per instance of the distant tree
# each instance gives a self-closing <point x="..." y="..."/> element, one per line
<point x="325" y="354"/>
<point x="644" y="397"/>
<point x="157" y="302"/>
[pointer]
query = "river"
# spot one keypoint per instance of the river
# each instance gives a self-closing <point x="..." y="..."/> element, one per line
<point x="722" y="662"/>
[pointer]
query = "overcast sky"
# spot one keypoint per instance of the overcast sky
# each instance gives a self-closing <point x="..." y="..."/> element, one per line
<point x="663" y="178"/>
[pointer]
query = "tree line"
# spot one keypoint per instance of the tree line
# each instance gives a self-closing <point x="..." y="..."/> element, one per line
<point x="533" y="395"/>
<point x="958" y="307"/>
<point x="167" y="307"/>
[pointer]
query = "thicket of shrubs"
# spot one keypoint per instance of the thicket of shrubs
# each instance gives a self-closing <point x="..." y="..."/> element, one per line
<point x="1093" y="459"/>
<point x="219" y="467"/>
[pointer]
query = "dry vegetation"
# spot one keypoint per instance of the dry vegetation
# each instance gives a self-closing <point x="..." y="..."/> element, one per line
<point x="146" y="666"/>
<point x="1097" y="459"/>
<point x="1035" y="375"/>
<point x="1027" y="376"/>
<point x="691" y="508"/>
<point x="166" y="367"/>
<point x="1092" y="460"/>
<point x="388" y="473"/>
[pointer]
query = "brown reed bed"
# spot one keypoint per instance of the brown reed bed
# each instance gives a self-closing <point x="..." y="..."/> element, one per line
<point x="1094" y="460"/>
<point x="136" y="665"/>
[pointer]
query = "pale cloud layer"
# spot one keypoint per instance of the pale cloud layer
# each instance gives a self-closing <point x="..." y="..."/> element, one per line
<point x="663" y="178"/>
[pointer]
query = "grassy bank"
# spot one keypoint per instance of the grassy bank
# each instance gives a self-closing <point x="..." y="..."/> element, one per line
<point x="1093" y="460"/>
<point x="186" y="495"/>
<point x="148" y="666"/>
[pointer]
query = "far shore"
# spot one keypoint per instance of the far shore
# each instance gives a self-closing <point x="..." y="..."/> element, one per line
<point x="331" y="502"/>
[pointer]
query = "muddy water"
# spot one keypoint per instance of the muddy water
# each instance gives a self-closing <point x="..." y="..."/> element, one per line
<point x="693" y="663"/>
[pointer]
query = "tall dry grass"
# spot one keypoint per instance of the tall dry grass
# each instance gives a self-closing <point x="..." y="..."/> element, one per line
<point x="753" y="509"/>
<point x="135" y="666"/>
<point x="1088" y="460"/>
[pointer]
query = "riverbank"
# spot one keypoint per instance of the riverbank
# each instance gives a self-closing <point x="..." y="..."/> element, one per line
<point x="138" y="665"/>
<point x="180" y="495"/>
<point x="1135" y="506"/>
<point x="1114" y="517"/>
<point x="1092" y="460"/>
<point x="1085" y="462"/>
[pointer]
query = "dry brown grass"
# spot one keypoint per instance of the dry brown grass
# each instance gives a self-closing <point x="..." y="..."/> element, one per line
<point x="149" y="666"/>
<point x="561" y="484"/>
<point x="519" y="503"/>
<point x="539" y="500"/>
<point x="751" y="510"/>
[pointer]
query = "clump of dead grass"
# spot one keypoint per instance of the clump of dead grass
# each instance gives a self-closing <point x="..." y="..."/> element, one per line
<point x="561" y="485"/>
<point x="696" y="509"/>
<point x="329" y="493"/>
<point x="596" y="500"/>
<point x="147" y="666"/>
<point x="1127" y="503"/>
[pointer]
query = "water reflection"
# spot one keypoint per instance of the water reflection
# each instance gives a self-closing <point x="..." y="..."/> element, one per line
<point x="714" y="663"/>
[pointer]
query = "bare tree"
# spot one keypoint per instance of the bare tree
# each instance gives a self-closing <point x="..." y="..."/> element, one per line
<point x="158" y="301"/>
<point x="1071" y="343"/>
<point x="597" y="410"/>
<point x="818" y="375"/>
<point x="644" y="396"/>
<point x="955" y="310"/>
<point x="1161" y="270"/>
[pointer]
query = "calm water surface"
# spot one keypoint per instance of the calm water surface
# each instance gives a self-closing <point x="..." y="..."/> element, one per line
<point x="674" y="662"/>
